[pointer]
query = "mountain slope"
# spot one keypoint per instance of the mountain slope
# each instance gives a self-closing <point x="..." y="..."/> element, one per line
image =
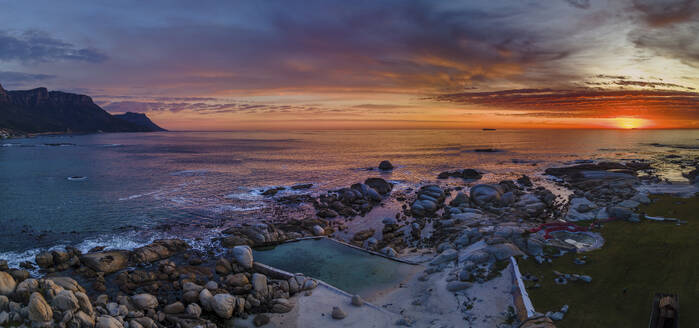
<point x="139" y="119"/>
<point x="38" y="110"/>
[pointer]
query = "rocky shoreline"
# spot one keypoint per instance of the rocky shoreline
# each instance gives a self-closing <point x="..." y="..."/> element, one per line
<point x="463" y="232"/>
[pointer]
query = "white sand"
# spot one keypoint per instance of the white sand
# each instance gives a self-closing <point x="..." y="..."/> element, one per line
<point x="314" y="312"/>
<point x="438" y="307"/>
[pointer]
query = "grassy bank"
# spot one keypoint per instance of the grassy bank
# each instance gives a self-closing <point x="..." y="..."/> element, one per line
<point x="643" y="258"/>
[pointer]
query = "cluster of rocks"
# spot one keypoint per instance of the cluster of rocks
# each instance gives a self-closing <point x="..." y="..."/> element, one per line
<point x="274" y="190"/>
<point x="162" y="295"/>
<point x="604" y="190"/>
<point x="48" y="302"/>
<point x="467" y="174"/>
<point x="260" y="234"/>
<point x="558" y="315"/>
<point x="563" y="278"/>
<point x="515" y="200"/>
<point x="429" y="199"/>
<point x="358" y="199"/>
<point x="476" y="252"/>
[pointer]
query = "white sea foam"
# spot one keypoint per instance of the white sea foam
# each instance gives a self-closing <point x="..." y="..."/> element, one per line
<point x="218" y="209"/>
<point x="139" y="195"/>
<point x="248" y="195"/>
<point x="126" y="241"/>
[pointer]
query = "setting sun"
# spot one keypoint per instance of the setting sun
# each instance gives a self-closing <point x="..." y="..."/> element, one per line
<point x="629" y="122"/>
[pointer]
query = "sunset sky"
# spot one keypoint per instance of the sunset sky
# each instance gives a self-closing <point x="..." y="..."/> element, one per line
<point x="205" y="65"/>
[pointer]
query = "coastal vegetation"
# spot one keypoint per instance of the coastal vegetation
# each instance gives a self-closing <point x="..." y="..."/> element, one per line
<point x="637" y="261"/>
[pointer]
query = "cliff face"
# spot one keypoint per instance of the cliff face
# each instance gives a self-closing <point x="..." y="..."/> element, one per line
<point x="39" y="110"/>
<point x="4" y="98"/>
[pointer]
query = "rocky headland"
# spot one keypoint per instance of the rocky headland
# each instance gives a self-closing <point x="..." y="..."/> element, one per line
<point x="38" y="110"/>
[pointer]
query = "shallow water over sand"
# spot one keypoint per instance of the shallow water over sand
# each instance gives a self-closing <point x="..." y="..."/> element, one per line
<point x="344" y="267"/>
<point x="136" y="182"/>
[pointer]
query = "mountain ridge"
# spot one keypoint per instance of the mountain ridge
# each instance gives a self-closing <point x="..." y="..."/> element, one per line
<point x="40" y="110"/>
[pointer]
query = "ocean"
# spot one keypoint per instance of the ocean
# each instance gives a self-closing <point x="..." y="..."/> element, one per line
<point x="119" y="190"/>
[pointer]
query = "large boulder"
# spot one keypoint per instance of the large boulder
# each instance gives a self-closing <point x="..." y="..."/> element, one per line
<point x="531" y="204"/>
<point x="259" y="284"/>
<point x="580" y="208"/>
<point x="145" y="301"/>
<point x="446" y="256"/>
<point x="7" y="283"/>
<point x="44" y="260"/>
<point x="25" y="289"/>
<point x="484" y="194"/>
<point x="243" y="255"/>
<point x="84" y="303"/>
<point x="223" y="305"/>
<point x="85" y="320"/>
<point x="158" y="250"/>
<point x="67" y="283"/>
<point x="107" y="262"/>
<point x="65" y="300"/>
<point x="106" y="321"/>
<point x="503" y="251"/>
<point x="38" y="310"/>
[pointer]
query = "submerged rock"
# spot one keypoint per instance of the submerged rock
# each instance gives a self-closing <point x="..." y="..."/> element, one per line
<point x="385" y="166"/>
<point x="469" y="174"/>
<point x="380" y="185"/>
<point x="145" y="301"/>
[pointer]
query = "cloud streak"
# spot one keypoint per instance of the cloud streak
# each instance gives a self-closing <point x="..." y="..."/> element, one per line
<point x="38" y="46"/>
<point x="584" y="102"/>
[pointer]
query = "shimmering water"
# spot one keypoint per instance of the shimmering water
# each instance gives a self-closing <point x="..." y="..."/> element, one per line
<point x="136" y="182"/>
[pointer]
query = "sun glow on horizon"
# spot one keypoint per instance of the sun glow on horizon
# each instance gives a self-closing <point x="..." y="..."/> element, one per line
<point x="629" y="123"/>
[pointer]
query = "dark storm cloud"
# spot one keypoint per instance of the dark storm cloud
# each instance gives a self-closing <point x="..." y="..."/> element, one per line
<point x="38" y="46"/>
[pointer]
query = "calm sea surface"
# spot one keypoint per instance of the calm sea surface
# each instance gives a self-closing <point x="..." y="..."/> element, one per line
<point x="135" y="182"/>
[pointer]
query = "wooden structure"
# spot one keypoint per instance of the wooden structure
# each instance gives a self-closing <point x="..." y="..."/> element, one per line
<point x="665" y="312"/>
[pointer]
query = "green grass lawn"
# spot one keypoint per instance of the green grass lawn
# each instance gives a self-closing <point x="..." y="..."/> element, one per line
<point x="644" y="258"/>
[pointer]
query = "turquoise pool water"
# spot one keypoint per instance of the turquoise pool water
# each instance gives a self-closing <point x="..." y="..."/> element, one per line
<point x="344" y="267"/>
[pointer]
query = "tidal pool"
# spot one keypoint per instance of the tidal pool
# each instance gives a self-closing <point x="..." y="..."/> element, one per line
<point x="347" y="268"/>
